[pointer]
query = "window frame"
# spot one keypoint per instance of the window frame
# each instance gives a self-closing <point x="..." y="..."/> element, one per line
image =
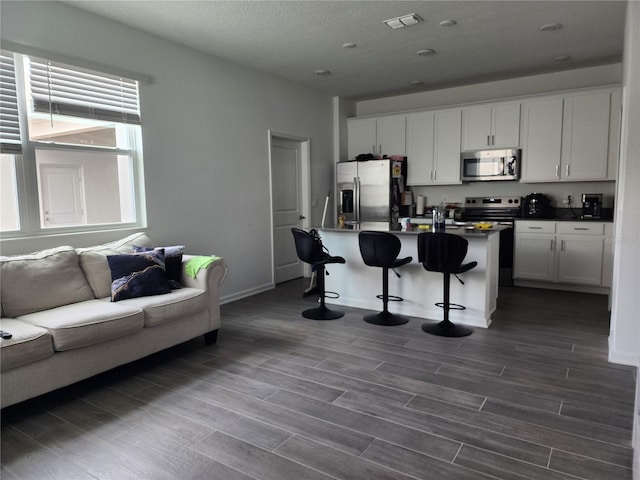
<point x="28" y="190"/>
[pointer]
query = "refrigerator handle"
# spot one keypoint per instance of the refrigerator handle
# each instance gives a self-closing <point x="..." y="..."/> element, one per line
<point x="356" y="200"/>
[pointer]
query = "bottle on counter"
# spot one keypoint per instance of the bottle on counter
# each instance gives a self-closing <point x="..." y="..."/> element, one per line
<point x="438" y="218"/>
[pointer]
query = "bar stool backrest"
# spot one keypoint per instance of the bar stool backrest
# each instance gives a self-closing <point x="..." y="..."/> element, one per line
<point x="379" y="249"/>
<point x="442" y="252"/>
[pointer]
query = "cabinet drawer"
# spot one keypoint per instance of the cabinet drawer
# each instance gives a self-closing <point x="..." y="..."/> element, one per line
<point x="535" y="227"/>
<point x="581" y="228"/>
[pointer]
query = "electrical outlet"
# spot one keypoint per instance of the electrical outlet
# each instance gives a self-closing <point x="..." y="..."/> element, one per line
<point x="568" y="199"/>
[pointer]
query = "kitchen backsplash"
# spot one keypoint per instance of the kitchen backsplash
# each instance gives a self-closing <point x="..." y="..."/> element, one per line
<point x="556" y="191"/>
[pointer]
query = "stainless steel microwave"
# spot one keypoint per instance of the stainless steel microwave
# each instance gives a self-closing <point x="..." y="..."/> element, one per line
<point x="483" y="165"/>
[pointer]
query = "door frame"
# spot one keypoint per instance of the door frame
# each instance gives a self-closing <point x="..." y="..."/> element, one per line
<point x="305" y="189"/>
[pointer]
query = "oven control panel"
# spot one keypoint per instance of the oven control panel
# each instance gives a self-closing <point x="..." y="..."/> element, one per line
<point x="493" y="202"/>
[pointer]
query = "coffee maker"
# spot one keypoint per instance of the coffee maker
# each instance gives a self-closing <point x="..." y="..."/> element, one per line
<point x="591" y="206"/>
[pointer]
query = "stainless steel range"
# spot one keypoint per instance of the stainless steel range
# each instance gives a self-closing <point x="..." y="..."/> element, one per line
<point x="501" y="210"/>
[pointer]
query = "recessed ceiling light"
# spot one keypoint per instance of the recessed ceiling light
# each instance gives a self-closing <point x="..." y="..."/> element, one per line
<point x="416" y="83"/>
<point x="448" y="23"/>
<point x="349" y="45"/>
<point x="425" y="52"/>
<point x="403" y="21"/>
<point x="323" y="72"/>
<point x="561" y="58"/>
<point x="550" y="27"/>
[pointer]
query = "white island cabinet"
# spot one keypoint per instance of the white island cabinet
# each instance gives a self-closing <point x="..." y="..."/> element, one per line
<point x="358" y="284"/>
<point x="568" y="255"/>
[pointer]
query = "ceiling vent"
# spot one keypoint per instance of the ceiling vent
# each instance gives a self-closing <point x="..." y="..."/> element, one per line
<point x="403" y="21"/>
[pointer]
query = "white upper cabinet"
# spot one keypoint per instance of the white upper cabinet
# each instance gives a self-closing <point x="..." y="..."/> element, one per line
<point x="433" y="147"/>
<point x="491" y="126"/>
<point x="362" y="136"/>
<point x="585" y="142"/>
<point x="571" y="138"/>
<point x="379" y="136"/>
<point x="541" y="140"/>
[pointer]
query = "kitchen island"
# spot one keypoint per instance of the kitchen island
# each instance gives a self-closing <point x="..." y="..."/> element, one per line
<point x="357" y="284"/>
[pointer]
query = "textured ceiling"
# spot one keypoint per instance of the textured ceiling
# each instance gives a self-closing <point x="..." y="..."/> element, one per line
<point x="492" y="40"/>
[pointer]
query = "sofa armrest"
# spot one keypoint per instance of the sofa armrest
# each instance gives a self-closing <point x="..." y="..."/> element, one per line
<point x="208" y="279"/>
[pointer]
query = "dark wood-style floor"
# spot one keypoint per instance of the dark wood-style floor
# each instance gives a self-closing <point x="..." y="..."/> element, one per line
<point x="281" y="397"/>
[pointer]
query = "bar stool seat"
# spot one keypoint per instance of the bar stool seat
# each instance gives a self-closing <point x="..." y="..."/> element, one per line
<point x="310" y="250"/>
<point x="381" y="249"/>
<point x="444" y="253"/>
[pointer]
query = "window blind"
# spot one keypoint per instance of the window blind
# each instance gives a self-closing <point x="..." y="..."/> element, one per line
<point x="65" y="90"/>
<point x="10" y="141"/>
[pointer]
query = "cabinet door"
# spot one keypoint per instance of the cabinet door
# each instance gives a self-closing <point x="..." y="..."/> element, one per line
<point x="585" y="142"/>
<point x="419" y="148"/>
<point x="541" y="140"/>
<point x="361" y="136"/>
<point x="391" y="135"/>
<point x="446" y="155"/>
<point x="476" y="128"/>
<point x="505" y="125"/>
<point x="534" y="257"/>
<point x="580" y="259"/>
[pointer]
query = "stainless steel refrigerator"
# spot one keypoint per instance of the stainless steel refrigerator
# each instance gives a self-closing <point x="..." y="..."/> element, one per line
<point x="370" y="192"/>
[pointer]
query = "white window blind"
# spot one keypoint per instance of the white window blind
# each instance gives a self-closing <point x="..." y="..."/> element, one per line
<point x="64" y="90"/>
<point x="9" y="123"/>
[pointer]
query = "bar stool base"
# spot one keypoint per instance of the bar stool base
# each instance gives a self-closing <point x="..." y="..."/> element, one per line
<point x="322" y="313"/>
<point x="385" y="318"/>
<point x="446" y="329"/>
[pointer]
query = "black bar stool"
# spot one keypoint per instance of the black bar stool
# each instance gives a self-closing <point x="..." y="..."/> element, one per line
<point x="444" y="253"/>
<point x="310" y="250"/>
<point x="381" y="249"/>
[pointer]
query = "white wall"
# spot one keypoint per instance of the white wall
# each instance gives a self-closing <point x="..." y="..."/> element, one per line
<point x="514" y="87"/>
<point x="624" y="342"/>
<point x="205" y="137"/>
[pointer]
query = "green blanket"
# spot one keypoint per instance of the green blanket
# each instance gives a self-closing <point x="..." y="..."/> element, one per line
<point x="193" y="265"/>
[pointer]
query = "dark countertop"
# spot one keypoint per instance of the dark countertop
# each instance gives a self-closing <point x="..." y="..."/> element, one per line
<point x="455" y="229"/>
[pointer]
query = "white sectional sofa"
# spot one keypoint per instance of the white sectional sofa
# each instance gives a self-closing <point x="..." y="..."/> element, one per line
<point x="64" y="326"/>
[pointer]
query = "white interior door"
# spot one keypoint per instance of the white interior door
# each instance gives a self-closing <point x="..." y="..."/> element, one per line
<point x="286" y="166"/>
<point x="61" y="195"/>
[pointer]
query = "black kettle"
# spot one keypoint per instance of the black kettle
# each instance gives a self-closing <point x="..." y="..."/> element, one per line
<point x="536" y="205"/>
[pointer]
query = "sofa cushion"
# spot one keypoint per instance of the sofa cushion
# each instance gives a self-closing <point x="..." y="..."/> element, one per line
<point x="172" y="306"/>
<point x="28" y="344"/>
<point x="87" y="323"/>
<point x="138" y="275"/>
<point x="93" y="261"/>
<point x="42" y="280"/>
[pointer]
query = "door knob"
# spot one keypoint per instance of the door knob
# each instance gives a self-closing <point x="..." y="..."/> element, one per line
<point x="301" y="217"/>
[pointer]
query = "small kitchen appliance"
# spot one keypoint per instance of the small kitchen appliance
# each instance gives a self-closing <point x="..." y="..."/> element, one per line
<point x="591" y="206"/>
<point x="483" y="165"/>
<point x="536" y="205"/>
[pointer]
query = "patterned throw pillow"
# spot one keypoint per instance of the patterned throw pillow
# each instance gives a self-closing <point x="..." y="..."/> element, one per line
<point x="172" y="262"/>
<point x="138" y="275"/>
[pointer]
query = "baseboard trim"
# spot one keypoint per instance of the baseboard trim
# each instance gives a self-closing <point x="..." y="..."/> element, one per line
<point x="563" y="286"/>
<point x="246" y="293"/>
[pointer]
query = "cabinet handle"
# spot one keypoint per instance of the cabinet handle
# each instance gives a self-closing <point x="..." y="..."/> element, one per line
<point x="580" y="228"/>
<point x="493" y="139"/>
<point x="534" y="228"/>
<point x="435" y="175"/>
<point x="380" y="150"/>
<point x="562" y="245"/>
<point x="488" y="140"/>
<point x="552" y="242"/>
<point x="557" y="171"/>
<point x="567" y="171"/>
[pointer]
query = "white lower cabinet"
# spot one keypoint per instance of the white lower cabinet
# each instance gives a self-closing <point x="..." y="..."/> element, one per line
<point x="572" y="253"/>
